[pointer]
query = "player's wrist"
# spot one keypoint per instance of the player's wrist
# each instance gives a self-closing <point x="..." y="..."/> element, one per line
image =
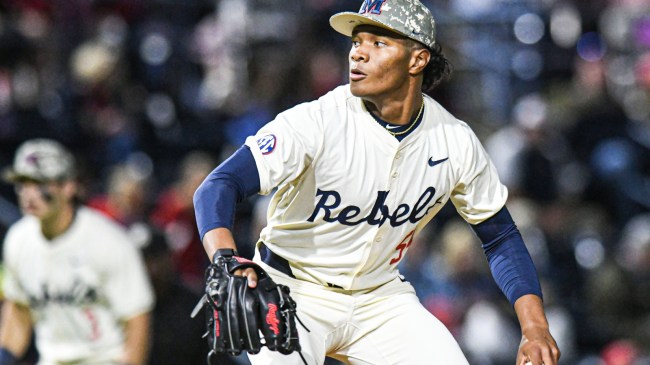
<point x="224" y="252"/>
<point x="7" y="357"/>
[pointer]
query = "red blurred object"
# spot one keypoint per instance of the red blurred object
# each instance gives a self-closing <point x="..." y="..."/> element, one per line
<point x="620" y="352"/>
<point x="642" y="70"/>
<point x="444" y="310"/>
<point x="176" y="218"/>
<point x="38" y="5"/>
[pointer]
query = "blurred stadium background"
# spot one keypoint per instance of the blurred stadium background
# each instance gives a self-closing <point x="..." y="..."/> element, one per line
<point x="152" y="94"/>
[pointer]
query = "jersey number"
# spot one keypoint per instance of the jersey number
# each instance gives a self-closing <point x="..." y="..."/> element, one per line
<point x="406" y="243"/>
<point x="94" y="324"/>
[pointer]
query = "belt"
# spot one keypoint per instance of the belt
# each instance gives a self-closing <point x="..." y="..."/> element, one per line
<point x="277" y="262"/>
<point x="280" y="263"/>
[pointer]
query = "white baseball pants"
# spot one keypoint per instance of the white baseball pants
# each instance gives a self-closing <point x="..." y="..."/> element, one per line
<point x="384" y="326"/>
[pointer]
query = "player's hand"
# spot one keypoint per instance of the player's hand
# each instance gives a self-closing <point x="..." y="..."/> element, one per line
<point x="247" y="272"/>
<point x="537" y="347"/>
<point x="250" y="274"/>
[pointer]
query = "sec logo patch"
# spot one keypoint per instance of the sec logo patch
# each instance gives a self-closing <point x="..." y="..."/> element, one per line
<point x="267" y="144"/>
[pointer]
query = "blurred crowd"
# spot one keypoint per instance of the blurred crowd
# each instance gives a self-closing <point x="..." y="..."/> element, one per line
<point x="152" y="94"/>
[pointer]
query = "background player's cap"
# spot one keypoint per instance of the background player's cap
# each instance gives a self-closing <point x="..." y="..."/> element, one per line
<point x="41" y="160"/>
<point x="409" y="18"/>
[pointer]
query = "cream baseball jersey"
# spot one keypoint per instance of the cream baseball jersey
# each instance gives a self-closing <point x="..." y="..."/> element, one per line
<point x="79" y="286"/>
<point x="350" y="196"/>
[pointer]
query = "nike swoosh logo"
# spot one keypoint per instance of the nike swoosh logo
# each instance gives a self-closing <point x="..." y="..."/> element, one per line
<point x="388" y="126"/>
<point x="433" y="163"/>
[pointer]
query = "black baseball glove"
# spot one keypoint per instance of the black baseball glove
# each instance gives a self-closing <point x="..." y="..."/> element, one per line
<point x="237" y="314"/>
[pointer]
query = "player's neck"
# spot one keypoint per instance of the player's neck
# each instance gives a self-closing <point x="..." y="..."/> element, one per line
<point x="56" y="225"/>
<point x="399" y="112"/>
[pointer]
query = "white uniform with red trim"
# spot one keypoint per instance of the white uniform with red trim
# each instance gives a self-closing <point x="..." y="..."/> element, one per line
<point x="350" y="197"/>
<point x="79" y="286"/>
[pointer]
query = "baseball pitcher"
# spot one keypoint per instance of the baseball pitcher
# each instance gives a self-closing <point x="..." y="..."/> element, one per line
<point x="357" y="174"/>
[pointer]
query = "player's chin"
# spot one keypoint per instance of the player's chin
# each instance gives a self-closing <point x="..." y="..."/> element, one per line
<point x="31" y="209"/>
<point x="359" y="89"/>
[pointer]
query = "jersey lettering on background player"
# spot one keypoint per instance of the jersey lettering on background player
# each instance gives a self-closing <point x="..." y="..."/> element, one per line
<point x="78" y="293"/>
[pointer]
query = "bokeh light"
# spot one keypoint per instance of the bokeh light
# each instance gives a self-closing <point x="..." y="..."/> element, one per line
<point x="527" y="64"/>
<point x="589" y="252"/>
<point x="591" y="47"/>
<point x="160" y="110"/>
<point x="642" y="31"/>
<point x="565" y="26"/>
<point x="155" y="49"/>
<point x="529" y="28"/>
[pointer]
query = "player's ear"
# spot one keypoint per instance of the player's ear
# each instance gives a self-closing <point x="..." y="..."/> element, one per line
<point x="69" y="188"/>
<point x="420" y="57"/>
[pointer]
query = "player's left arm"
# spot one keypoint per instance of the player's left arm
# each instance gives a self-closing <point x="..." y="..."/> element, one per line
<point x="477" y="195"/>
<point x="136" y="344"/>
<point x="537" y="345"/>
<point x="514" y="272"/>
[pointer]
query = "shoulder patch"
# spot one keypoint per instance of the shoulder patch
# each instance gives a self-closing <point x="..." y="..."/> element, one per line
<point x="267" y="144"/>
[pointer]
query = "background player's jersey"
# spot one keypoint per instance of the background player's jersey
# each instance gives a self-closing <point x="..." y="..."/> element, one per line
<point x="350" y="196"/>
<point x="79" y="286"/>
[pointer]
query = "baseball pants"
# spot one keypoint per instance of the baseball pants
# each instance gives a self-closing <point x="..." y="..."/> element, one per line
<point x="383" y="326"/>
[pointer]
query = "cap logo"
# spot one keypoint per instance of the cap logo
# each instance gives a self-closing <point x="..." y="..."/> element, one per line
<point x="371" y="6"/>
<point x="33" y="159"/>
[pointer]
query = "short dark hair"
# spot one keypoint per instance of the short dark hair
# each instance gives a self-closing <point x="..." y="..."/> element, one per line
<point x="438" y="69"/>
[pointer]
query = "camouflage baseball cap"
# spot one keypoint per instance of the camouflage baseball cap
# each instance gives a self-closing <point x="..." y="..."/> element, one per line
<point x="41" y="160"/>
<point x="409" y="18"/>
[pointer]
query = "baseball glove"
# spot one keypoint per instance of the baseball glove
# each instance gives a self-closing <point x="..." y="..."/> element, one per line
<point x="236" y="314"/>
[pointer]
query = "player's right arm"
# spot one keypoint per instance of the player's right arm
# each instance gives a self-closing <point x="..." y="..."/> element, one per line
<point x="218" y="238"/>
<point x="16" y="322"/>
<point x="15" y="332"/>
<point x="215" y="200"/>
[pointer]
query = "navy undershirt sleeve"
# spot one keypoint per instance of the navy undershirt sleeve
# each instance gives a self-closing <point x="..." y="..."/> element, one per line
<point x="6" y="357"/>
<point x="231" y="182"/>
<point x="510" y="263"/>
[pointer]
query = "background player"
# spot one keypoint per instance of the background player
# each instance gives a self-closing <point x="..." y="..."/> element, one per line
<point x="71" y="274"/>
<point x="358" y="173"/>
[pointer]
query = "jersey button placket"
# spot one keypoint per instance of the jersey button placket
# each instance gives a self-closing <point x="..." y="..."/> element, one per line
<point x="396" y="164"/>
